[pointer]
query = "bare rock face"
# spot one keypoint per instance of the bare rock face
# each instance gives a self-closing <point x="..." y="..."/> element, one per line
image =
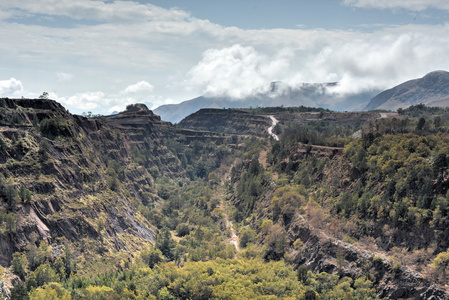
<point x="86" y="176"/>
<point x="320" y="253"/>
<point x="80" y="174"/>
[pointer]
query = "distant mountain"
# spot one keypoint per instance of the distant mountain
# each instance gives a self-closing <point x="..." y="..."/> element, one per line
<point x="431" y="90"/>
<point x="278" y="94"/>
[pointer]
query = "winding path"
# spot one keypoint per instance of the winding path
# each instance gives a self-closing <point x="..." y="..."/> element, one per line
<point x="271" y="128"/>
<point x="234" y="239"/>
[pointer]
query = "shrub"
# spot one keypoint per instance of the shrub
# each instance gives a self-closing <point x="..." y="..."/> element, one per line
<point x="247" y="235"/>
<point x="19" y="292"/>
<point x="19" y="264"/>
<point x="11" y="195"/>
<point x="11" y="222"/>
<point x="51" y="290"/>
<point x="54" y="127"/>
<point x="182" y="229"/>
<point x="151" y="256"/>
<point x="24" y="194"/>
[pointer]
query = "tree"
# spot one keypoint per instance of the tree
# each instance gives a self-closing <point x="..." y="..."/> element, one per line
<point x="11" y="195"/>
<point x="246" y="235"/>
<point x="24" y="194"/>
<point x="275" y="243"/>
<point x="166" y="244"/>
<point x="11" y="222"/>
<point x="68" y="263"/>
<point x="421" y="124"/>
<point x="182" y="229"/>
<point x="111" y="178"/>
<point x="59" y="267"/>
<point x="440" y="164"/>
<point x="301" y="273"/>
<point x="310" y="295"/>
<point x="151" y="256"/>
<point x="97" y="292"/>
<point x="50" y="291"/>
<point x="43" y="150"/>
<point x="437" y="122"/>
<point x="441" y="262"/>
<point x="285" y="201"/>
<point x="44" y="274"/>
<point x="19" y="292"/>
<point x="35" y="256"/>
<point x="44" y="96"/>
<point x="201" y="170"/>
<point x="19" y="264"/>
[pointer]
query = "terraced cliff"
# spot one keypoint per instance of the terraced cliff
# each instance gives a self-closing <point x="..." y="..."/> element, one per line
<point x="67" y="177"/>
<point x="229" y="121"/>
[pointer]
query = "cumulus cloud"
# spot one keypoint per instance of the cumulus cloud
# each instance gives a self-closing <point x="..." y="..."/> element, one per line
<point x="11" y="88"/>
<point x="141" y="86"/>
<point x="98" y="101"/>
<point x="85" y="101"/>
<point x="414" y="5"/>
<point x="119" y="104"/>
<point x="237" y="71"/>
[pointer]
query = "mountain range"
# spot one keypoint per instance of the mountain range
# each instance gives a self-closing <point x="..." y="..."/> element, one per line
<point x="431" y="90"/>
<point x="278" y="94"/>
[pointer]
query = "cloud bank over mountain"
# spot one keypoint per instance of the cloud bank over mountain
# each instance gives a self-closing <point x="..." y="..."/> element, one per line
<point x="237" y="71"/>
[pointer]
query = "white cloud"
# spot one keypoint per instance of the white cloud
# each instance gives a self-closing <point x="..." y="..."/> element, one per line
<point x="237" y="71"/>
<point x="113" y="11"/>
<point x="414" y="5"/>
<point x="84" y="101"/>
<point x="121" y="103"/>
<point x="98" y="102"/>
<point x="11" y="88"/>
<point x="380" y="61"/>
<point x="359" y="62"/>
<point x="141" y="86"/>
<point x="125" y="41"/>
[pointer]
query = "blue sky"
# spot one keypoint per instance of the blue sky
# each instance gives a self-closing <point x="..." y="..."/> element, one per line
<point x="328" y="14"/>
<point x="100" y="56"/>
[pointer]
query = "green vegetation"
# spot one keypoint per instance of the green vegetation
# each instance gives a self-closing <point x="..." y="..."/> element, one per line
<point x="55" y="127"/>
<point x="130" y="207"/>
<point x="217" y="279"/>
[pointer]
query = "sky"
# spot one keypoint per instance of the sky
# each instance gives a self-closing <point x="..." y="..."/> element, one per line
<point x="101" y="55"/>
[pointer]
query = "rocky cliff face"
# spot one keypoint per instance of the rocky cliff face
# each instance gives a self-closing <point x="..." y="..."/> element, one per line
<point x="67" y="177"/>
<point x="323" y="244"/>
<point x="320" y="254"/>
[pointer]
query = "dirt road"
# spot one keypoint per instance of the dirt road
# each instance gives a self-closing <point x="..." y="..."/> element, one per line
<point x="271" y="128"/>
